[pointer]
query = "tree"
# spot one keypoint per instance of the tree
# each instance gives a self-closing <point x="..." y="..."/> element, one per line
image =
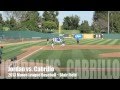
<point x="7" y="23"/>
<point x="115" y="21"/>
<point x="25" y="20"/>
<point x="49" y="25"/>
<point x="54" y="15"/>
<point x="51" y="16"/>
<point x="1" y="22"/>
<point x="100" y="21"/>
<point x="31" y="21"/>
<point x="13" y="23"/>
<point x="71" y="22"/>
<point x="18" y="15"/>
<point x="84" y="27"/>
<point x="66" y="23"/>
<point x="47" y="16"/>
<point x="10" y="23"/>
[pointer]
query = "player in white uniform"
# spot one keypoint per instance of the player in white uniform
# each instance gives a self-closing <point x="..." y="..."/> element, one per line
<point x="63" y="43"/>
<point x="47" y="41"/>
<point x="52" y="44"/>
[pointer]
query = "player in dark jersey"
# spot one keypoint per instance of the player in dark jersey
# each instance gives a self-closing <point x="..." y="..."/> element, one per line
<point x="1" y="54"/>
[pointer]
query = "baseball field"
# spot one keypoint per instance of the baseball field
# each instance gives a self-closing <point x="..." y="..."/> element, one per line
<point x="37" y="53"/>
<point x="87" y="49"/>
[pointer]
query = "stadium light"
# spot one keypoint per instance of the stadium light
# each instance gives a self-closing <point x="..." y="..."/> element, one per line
<point x="108" y="22"/>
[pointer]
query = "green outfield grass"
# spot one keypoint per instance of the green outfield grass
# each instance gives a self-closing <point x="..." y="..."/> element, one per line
<point x="66" y="55"/>
<point x="72" y="41"/>
<point x="14" y="50"/>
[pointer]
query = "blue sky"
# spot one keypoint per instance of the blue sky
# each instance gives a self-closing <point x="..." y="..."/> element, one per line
<point x="84" y="15"/>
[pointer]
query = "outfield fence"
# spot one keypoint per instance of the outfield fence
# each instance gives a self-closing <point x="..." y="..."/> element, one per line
<point x="32" y="35"/>
<point x="24" y="35"/>
<point x="111" y="36"/>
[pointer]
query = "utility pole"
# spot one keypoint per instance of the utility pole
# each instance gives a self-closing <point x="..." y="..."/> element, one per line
<point x="108" y="22"/>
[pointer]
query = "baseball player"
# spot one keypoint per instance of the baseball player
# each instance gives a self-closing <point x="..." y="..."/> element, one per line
<point x="77" y="41"/>
<point x="13" y="59"/>
<point x="1" y="54"/>
<point x="47" y="41"/>
<point x="52" y="44"/>
<point x="63" y="43"/>
<point x="102" y="36"/>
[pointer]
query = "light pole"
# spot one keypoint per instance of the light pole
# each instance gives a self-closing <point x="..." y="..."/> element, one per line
<point x="59" y="29"/>
<point x="108" y="22"/>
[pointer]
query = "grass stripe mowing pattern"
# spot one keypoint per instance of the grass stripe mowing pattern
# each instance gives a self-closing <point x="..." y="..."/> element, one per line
<point x="94" y="53"/>
<point x="103" y="42"/>
<point x="16" y="50"/>
<point x="88" y="54"/>
<point x="77" y="54"/>
<point x="113" y="42"/>
<point x="107" y="42"/>
<point x="12" y="52"/>
<point x="66" y="55"/>
<point x="86" y="41"/>
<point x="20" y="47"/>
<point x="95" y="42"/>
<point x="70" y="42"/>
<point x="8" y="48"/>
<point x="118" y="42"/>
<point x="54" y="55"/>
<point x="46" y="55"/>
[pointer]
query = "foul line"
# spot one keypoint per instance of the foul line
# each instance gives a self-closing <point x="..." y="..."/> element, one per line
<point x="27" y="55"/>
